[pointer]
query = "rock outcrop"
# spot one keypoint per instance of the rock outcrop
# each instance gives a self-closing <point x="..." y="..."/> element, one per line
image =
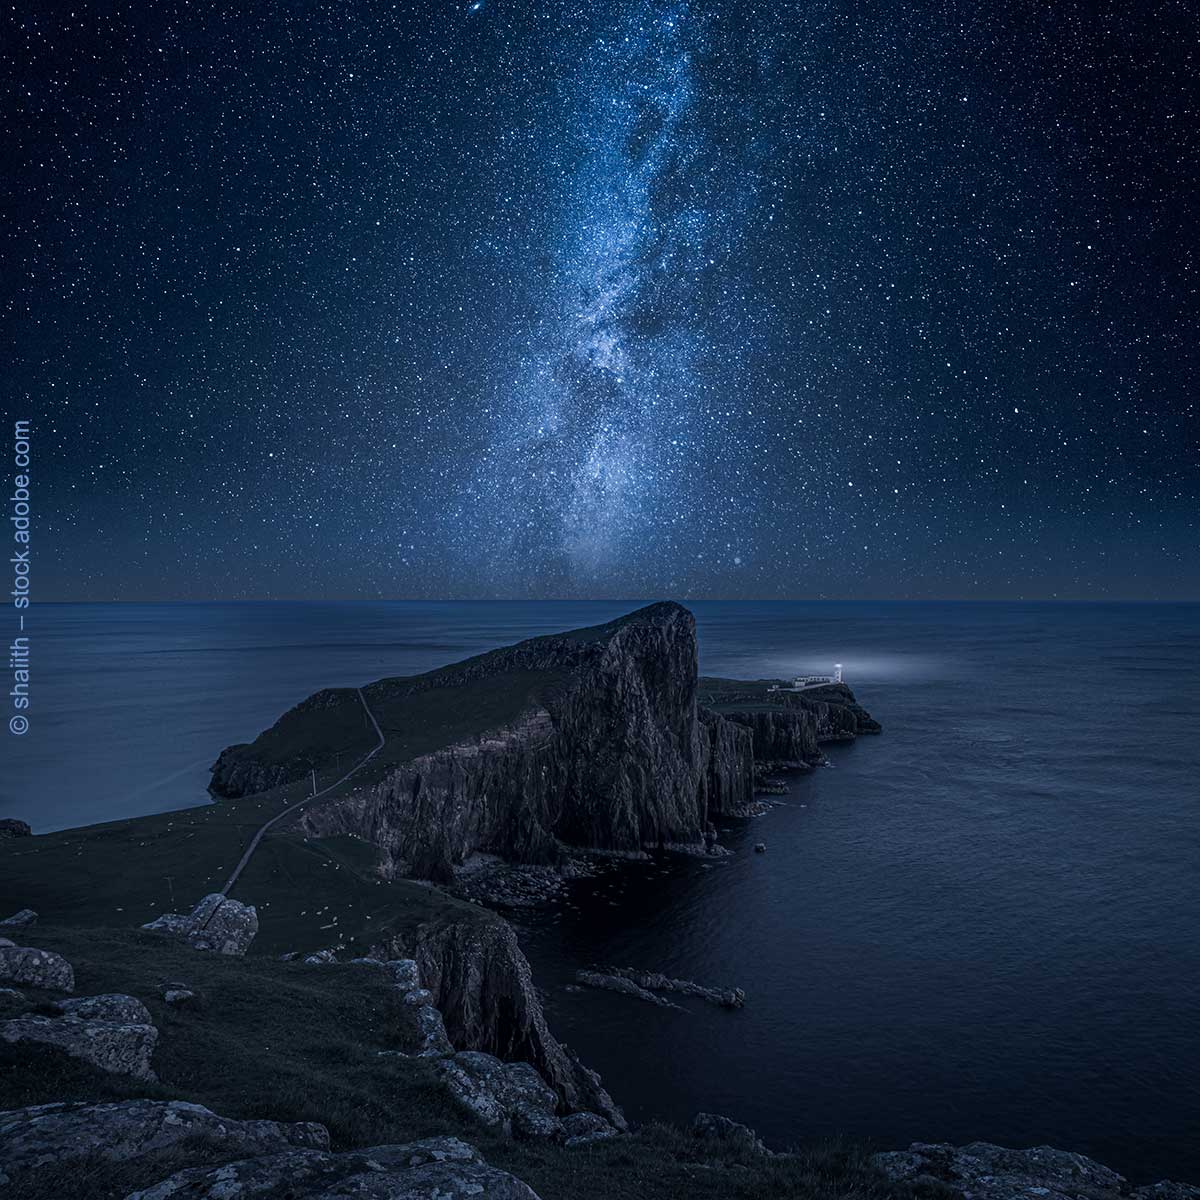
<point x="511" y="1096"/>
<point x="434" y="1169"/>
<point x="112" y="1007"/>
<point x="730" y="1135"/>
<point x="21" y="920"/>
<point x="981" y="1171"/>
<point x="655" y="981"/>
<point x="483" y="987"/>
<point x="10" y="827"/>
<point x="617" y="983"/>
<point x="217" y="924"/>
<point x="36" y="968"/>
<point x="53" y="1134"/>
<point x="113" y="1046"/>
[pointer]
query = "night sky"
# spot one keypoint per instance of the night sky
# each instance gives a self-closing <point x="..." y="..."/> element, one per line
<point x="839" y="299"/>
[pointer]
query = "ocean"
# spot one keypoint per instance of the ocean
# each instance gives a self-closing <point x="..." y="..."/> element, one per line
<point x="980" y="925"/>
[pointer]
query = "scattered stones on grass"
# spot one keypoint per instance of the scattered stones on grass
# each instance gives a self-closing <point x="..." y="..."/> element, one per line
<point x="217" y="924"/>
<point x="36" y="968"/>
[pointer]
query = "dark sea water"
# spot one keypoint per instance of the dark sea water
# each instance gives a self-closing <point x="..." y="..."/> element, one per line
<point x="983" y="924"/>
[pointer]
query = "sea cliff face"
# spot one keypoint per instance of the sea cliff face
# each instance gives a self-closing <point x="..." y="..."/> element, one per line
<point x="618" y="758"/>
<point x="483" y="987"/>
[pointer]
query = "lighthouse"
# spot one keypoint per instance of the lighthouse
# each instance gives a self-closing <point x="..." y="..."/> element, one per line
<point x="837" y="672"/>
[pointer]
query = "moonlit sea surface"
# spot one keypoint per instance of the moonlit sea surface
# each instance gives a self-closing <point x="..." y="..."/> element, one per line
<point x="983" y="924"/>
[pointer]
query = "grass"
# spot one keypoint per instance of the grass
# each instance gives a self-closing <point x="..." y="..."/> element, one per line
<point x="290" y="1042"/>
<point x="309" y="893"/>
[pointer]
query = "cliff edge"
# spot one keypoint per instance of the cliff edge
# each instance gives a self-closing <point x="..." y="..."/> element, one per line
<point x="593" y="739"/>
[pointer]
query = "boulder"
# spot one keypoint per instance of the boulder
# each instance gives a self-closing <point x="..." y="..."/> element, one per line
<point x="983" y="1171"/>
<point x="108" y="1045"/>
<point x="22" y="919"/>
<point x="52" y="1134"/>
<point x="177" y="995"/>
<point x="36" y="968"/>
<point x="6" y="942"/>
<point x="217" y="924"/>
<point x="10" y="827"/>
<point x="320" y="957"/>
<point x="121" y="1010"/>
<point x="434" y="1169"/>
<point x="729" y="1134"/>
<point x="583" y="1128"/>
<point x="404" y="973"/>
<point x="508" y="1096"/>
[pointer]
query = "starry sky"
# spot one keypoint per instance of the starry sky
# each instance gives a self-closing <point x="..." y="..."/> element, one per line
<point x="621" y="299"/>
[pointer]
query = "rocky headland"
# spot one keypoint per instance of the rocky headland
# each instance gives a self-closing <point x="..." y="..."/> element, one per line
<point x="594" y="740"/>
<point x="398" y="1049"/>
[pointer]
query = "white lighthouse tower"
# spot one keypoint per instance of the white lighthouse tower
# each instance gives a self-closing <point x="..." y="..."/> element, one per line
<point x="837" y="672"/>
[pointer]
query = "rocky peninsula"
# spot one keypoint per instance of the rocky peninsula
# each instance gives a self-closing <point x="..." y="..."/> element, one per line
<point x="348" y="1024"/>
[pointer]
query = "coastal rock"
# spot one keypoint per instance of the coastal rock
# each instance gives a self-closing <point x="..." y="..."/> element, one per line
<point x="10" y="827"/>
<point x="235" y="774"/>
<point x="22" y="919"/>
<point x="583" y="1128"/>
<point x="217" y="924"/>
<point x="483" y="987"/>
<point x="118" y="1009"/>
<point x="729" y="1134"/>
<point x="511" y="1096"/>
<point x="627" y="987"/>
<point x="36" y="968"/>
<point x="422" y="1028"/>
<point x="982" y="1171"/>
<point x="52" y="1134"/>
<point x="380" y="1173"/>
<point x="119" y="1049"/>
<point x="654" y="981"/>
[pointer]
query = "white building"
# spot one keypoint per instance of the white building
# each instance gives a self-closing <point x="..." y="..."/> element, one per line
<point x="803" y="682"/>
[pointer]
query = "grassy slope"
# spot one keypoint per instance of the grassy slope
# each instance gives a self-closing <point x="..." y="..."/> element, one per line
<point x="309" y="894"/>
<point x="290" y="1042"/>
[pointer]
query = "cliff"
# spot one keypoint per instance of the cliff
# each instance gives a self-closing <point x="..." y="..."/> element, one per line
<point x="593" y="739"/>
<point x="483" y="986"/>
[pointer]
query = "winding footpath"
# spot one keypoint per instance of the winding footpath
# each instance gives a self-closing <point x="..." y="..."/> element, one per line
<point x="358" y="766"/>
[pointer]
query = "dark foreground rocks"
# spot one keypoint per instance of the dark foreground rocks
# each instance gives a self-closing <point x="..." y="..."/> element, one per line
<point x="10" y="827"/>
<point x="118" y="1047"/>
<point x="36" y="968"/>
<point x="981" y="1171"/>
<point x="217" y="924"/>
<point x="728" y="1134"/>
<point x="434" y="1169"/>
<point x="53" y="1134"/>
<point x="251" y="1158"/>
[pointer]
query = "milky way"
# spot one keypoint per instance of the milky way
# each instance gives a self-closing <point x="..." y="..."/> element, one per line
<point x="626" y="299"/>
<point x="605" y="434"/>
